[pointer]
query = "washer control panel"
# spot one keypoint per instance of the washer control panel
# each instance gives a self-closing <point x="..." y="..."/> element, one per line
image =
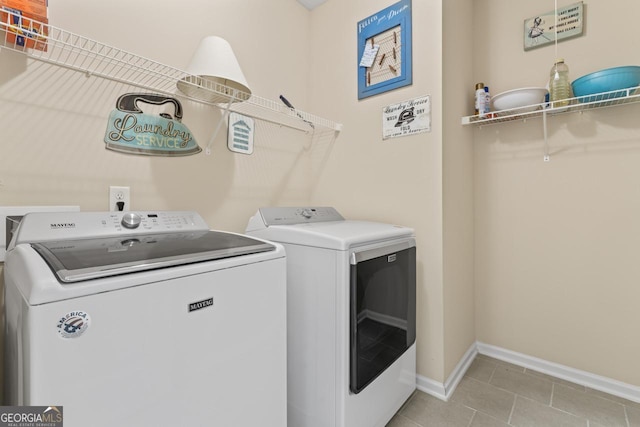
<point x="150" y="221"/>
<point x="38" y="227"/>
<point x="298" y="215"/>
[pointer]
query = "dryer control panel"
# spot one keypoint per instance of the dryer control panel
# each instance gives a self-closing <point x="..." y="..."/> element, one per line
<point x="293" y="215"/>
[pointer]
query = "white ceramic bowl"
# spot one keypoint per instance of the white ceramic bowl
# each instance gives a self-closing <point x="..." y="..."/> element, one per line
<point x="518" y="99"/>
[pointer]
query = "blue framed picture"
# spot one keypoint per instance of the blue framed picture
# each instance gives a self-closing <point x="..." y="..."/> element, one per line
<point x="384" y="50"/>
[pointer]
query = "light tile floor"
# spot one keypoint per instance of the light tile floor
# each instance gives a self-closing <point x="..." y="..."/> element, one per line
<point x="498" y="394"/>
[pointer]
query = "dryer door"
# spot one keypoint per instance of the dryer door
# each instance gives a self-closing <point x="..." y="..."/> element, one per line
<point x="382" y="310"/>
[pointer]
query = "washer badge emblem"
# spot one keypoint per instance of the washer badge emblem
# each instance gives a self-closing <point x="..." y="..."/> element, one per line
<point x="73" y="324"/>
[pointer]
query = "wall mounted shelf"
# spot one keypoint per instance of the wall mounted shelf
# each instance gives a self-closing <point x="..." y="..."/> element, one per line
<point x="56" y="46"/>
<point x="600" y="100"/>
<point x="578" y="104"/>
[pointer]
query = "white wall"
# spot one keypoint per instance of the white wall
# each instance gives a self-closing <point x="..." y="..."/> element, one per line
<point x="402" y="180"/>
<point x="53" y="119"/>
<point x="458" y="186"/>
<point x="556" y="248"/>
<point x="555" y="267"/>
<point x="56" y="119"/>
<point x="397" y="180"/>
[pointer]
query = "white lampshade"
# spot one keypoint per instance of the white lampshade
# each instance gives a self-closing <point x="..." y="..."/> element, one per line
<point x="213" y="64"/>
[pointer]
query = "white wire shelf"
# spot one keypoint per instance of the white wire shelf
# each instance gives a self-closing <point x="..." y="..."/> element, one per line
<point x="589" y="102"/>
<point x="56" y="46"/>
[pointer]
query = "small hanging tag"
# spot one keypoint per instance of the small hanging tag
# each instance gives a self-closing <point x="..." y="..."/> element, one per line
<point x="240" y="134"/>
<point x="369" y="55"/>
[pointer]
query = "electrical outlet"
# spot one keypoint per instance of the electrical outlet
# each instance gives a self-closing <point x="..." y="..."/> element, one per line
<point x="119" y="199"/>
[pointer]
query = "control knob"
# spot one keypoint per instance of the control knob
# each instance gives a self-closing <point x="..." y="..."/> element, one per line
<point x="306" y="213"/>
<point x="131" y="220"/>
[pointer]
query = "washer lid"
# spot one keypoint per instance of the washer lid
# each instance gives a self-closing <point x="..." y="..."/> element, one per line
<point x="84" y="259"/>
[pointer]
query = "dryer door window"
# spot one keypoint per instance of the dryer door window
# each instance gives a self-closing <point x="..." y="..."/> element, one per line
<point x="383" y="310"/>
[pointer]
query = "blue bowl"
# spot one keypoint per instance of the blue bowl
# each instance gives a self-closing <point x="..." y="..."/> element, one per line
<point x="609" y="80"/>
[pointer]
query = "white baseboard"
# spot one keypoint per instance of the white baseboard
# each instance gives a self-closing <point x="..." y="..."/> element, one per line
<point x="461" y="368"/>
<point x="431" y="387"/>
<point x="443" y="391"/>
<point x="587" y="379"/>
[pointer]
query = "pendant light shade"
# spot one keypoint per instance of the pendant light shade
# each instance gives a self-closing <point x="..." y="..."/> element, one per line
<point x="214" y="74"/>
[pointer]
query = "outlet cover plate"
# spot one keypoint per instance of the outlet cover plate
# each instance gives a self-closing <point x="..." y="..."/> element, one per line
<point x="119" y="194"/>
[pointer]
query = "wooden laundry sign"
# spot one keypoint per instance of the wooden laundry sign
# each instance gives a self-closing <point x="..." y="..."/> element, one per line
<point x="129" y="130"/>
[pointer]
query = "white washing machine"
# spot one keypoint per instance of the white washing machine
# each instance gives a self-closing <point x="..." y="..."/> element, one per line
<point x="145" y="319"/>
<point x="351" y="315"/>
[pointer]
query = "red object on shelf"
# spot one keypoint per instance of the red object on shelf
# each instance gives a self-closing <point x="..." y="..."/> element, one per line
<point x="25" y="22"/>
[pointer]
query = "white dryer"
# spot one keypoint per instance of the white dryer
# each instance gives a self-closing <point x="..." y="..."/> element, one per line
<point x="351" y="315"/>
<point x="145" y="319"/>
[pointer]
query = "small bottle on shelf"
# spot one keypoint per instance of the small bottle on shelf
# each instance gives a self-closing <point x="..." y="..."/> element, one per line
<point x="559" y="85"/>
<point x="487" y="101"/>
<point x="480" y="99"/>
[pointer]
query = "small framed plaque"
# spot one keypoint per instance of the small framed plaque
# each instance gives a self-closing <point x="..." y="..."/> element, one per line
<point x="541" y="30"/>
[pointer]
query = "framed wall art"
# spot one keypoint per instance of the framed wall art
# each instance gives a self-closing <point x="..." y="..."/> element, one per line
<point x="541" y="30"/>
<point x="384" y="50"/>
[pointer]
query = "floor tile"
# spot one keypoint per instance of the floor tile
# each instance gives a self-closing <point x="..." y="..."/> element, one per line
<point x="500" y="362"/>
<point x="481" y="370"/>
<point x="529" y="413"/>
<point x="400" y="421"/>
<point x="555" y="380"/>
<point x="520" y="383"/>
<point x="498" y="394"/>
<point x="633" y="415"/>
<point x="620" y="400"/>
<point x="484" y="357"/>
<point x="590" y="406"/>
<point x="428" y="411"/>
<point x="484" y="397"/>
<point x="483" y="420"/>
